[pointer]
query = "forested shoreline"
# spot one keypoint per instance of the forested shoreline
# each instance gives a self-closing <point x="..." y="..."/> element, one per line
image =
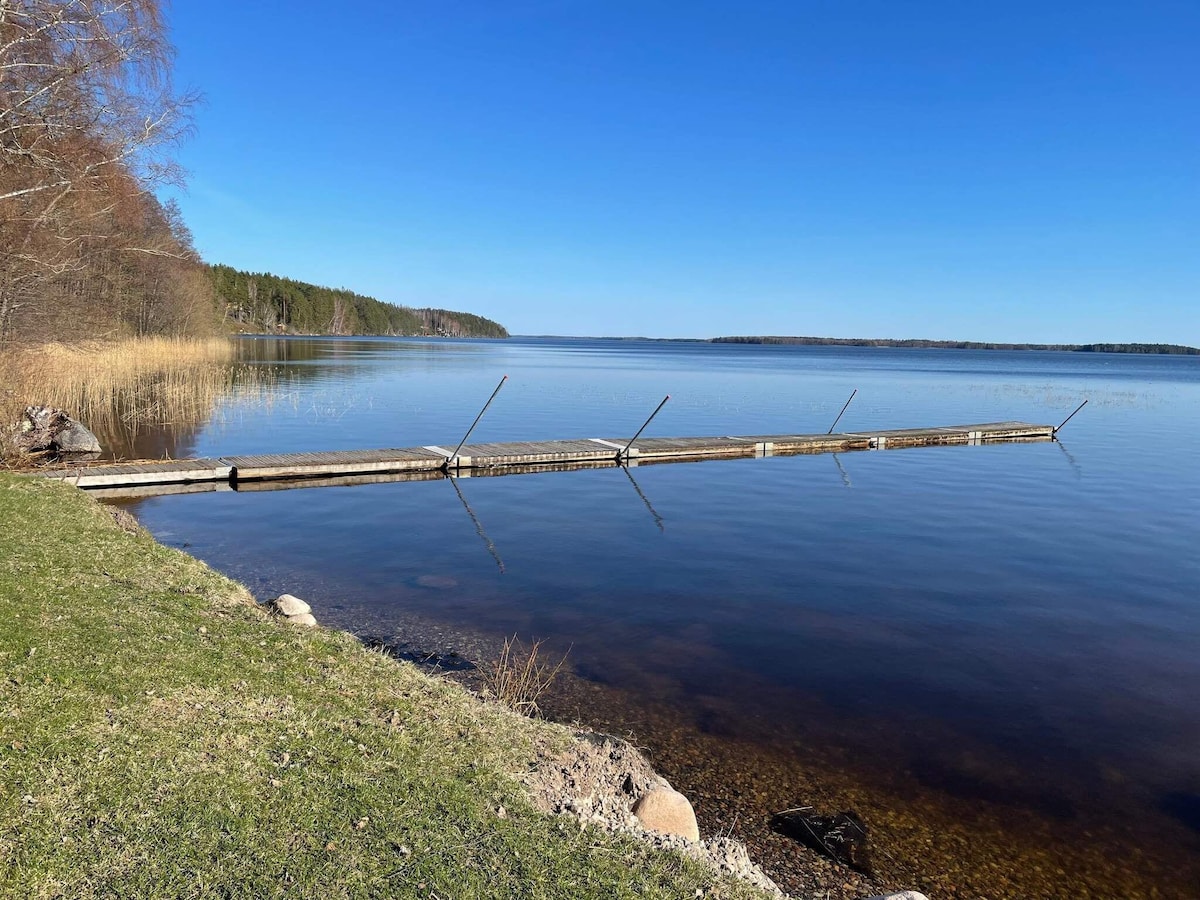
<point x="262" y="302"/>
<point x="89" y="121"/>
<point x="1148" y="349"/>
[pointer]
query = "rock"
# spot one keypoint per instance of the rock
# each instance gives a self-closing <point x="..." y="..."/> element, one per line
<point x="842" y="837"/>
<point x="903" y="895"/>
<point x="288" y="605"/>
<point x="667" y="812"/>
<point x="306" y="619"/>
<point x="76" y="439"/>
<point x="46" y="429"/>
<point x="439" y="582"/>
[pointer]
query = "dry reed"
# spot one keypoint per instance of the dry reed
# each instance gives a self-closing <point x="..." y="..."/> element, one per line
<point x="124" y="386"/>
<point x="521" y="675"/>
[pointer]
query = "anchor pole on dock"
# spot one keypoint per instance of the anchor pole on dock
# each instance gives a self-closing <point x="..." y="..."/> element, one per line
<point x="453" y="456"/>
<point x="842" y="413"/>
<point x="1070" y="417"/>
<point x="625" y="452"/>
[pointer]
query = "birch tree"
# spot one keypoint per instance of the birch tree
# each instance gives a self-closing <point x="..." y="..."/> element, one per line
<point x="88" y="116"/>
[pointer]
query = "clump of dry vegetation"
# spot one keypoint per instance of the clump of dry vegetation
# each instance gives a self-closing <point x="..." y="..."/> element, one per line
<point x="124" y="386"/>
<point x="520" y="675"/>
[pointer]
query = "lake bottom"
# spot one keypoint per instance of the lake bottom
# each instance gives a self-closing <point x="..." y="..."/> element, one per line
<point x="947" y="814"/>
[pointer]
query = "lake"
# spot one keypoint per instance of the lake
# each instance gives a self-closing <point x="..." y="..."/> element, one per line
<point x="989" y="653"/>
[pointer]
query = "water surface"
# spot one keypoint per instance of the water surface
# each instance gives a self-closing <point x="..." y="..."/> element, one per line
<point x="1009" y="628"/>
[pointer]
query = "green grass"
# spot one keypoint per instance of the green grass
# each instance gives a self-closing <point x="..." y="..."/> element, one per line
<point x="161" y="737"/>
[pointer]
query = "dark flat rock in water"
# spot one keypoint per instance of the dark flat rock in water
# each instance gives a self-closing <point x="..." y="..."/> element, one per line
<point x="450" y="661"/>
<point x="842" y="837"/>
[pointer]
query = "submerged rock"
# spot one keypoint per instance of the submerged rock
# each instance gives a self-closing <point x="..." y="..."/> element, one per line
<point x="842" y="837"/>
<point x="438" y="582"/>
<point x="45" y="429"/>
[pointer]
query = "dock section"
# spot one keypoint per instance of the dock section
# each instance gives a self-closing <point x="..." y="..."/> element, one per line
<point x="337" y="462"/>
<point x="153" y="472"/>
<point x="420" y="463"/>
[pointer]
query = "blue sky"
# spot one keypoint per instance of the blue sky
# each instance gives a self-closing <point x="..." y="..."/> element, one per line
<point x="1005" y="171"/>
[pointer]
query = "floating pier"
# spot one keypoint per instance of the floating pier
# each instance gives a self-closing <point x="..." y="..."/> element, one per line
<point x="275" y="471"/>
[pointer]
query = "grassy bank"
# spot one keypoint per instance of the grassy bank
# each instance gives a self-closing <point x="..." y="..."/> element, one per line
<point x="161" y="737"/>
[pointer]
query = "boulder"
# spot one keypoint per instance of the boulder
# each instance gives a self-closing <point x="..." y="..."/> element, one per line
<point x="76" y="439"/>
<point x="667" y="812"/>
<point x="289" y="605"/>
<point x="306" y="619"/>
<point x="46" y="429"/>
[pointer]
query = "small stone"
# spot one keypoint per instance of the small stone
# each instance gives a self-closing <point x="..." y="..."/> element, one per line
<point x="288" y="605"/>
<point x="903" y="895"/>
<point x="203" y="630"/>
<point x="667" y="812"/>
<point x="501" y="813"/>
<point x="306" y="619"/>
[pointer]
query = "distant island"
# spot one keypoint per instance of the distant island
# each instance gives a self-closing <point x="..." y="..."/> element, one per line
<point x="262" y="302"/>
<point x="1153" y="349"/>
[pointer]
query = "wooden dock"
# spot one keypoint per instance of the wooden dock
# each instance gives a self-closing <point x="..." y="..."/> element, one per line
<point x="273" y="471"/>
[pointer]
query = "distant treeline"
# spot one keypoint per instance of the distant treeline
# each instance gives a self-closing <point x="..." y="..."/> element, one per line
<point x="961" y="345"/>
<point x="262" y="302"/>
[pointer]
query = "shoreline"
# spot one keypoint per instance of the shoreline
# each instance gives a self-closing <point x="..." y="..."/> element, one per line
<point x="725" y="773"/>
<point x="932" y="830"/>
<point x="165" y="635"/>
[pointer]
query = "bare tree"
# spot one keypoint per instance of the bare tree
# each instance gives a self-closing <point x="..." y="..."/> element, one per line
<point x="87" y="117"/>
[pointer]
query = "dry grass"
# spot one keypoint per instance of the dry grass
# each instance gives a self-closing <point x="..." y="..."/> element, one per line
<point x="520" y="675"/>
<point x="122" y="386"/>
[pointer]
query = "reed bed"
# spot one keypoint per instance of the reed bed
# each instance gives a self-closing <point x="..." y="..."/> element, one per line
<point x="123" y="387"/>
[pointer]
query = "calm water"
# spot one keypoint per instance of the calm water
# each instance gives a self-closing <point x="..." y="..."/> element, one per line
<point x="1012" y="625"/>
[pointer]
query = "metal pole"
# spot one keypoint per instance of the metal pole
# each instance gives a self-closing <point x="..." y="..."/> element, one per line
<point x="625" y="452"/>
<point x="453" y="456"/>
<point x="842" y="413"/>
<point x="1070" y="417"/>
